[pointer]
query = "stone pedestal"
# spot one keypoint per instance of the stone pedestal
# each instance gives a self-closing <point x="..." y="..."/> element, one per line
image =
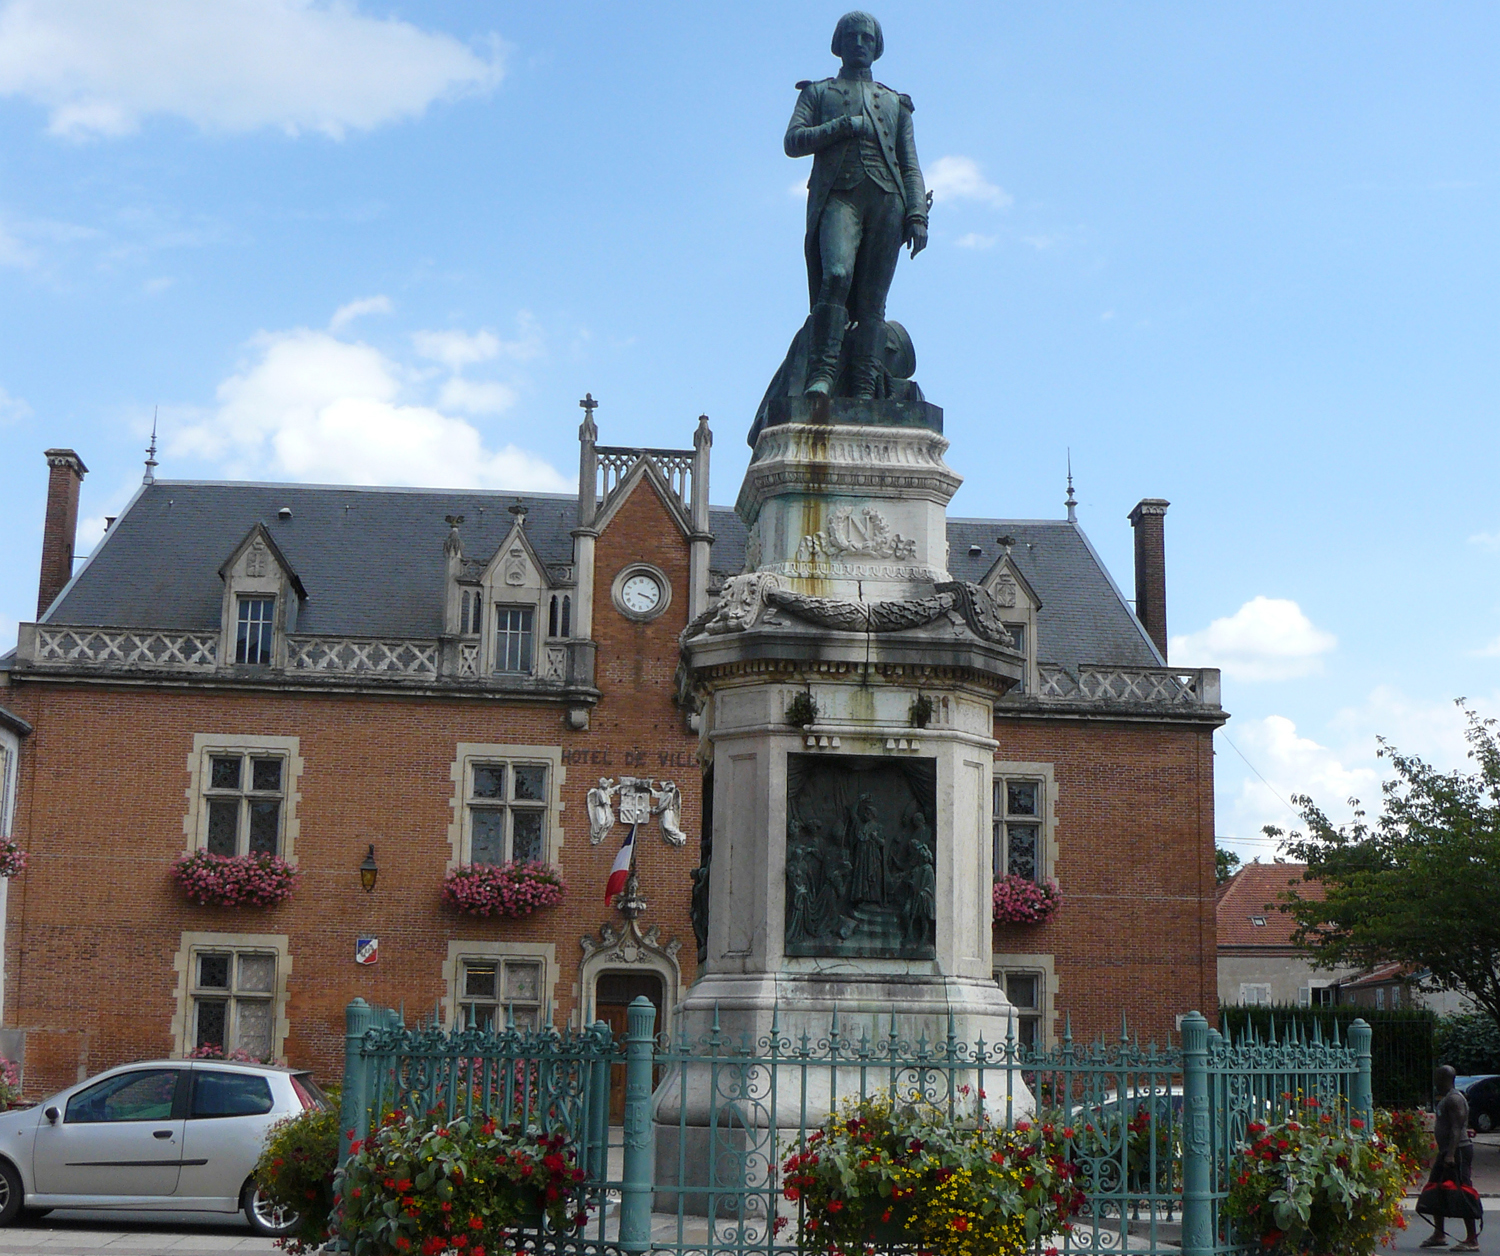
<point x="847" y="691"/>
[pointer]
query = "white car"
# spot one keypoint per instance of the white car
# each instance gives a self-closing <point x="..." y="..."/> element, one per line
<point x="179" y="1135"/>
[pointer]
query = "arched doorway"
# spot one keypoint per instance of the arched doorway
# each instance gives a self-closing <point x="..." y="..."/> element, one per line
<point x="613" y="994"/>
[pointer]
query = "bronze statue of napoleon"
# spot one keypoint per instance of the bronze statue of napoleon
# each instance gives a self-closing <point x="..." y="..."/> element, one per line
<point x="864" y="201"/>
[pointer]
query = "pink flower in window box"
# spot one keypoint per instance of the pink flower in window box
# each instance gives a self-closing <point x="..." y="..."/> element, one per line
<point x="234" y="880"/>
<point x="1021" y="901"/>
<point x="12" y="858"/>
<point x="507" y="889"/>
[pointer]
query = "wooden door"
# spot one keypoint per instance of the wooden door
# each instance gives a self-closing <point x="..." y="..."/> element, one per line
<point x="613" y="994"/>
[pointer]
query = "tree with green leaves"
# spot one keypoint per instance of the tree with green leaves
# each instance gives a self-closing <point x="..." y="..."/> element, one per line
<point x="1421" y="883"/>
<point x="1226" y="862"/>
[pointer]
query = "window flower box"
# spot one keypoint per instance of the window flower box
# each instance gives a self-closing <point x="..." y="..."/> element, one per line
<point x="234" y="880"/>
<point x="12" y="858"/>
<point x="1021" y="901"/>
<point x="517" y="888"/>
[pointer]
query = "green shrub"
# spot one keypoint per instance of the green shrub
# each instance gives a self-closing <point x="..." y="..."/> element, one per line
<point x="1470" y="1042"/>
<point x="295" y="1171"/>
<point x="1401" y="1042"/>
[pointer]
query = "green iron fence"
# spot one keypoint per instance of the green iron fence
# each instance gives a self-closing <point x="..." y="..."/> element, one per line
<point x="694" y="1170"/>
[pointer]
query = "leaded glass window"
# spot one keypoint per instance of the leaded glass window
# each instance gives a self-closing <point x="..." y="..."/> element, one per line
<point x="490" y="990"/>
<point x="1017" y="821"/>
<point x="507" y="812"/>
<point x="234" y="995"/>
<point x="245" y="798"/>
<point x="1026" y="992"/>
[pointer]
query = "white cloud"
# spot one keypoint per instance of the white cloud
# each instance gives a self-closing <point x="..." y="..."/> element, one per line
<point x="314" y="408"/>
<point x="458" y="349"/>
<point x="1266" y="639"/>
<point x="959" y="179"/>
<point x="12" y="409"/>
<point x="1349" y="767"/>
<point x="155" y="287"/>
<point x="476" y="398"/>
<point x="346" y="314"/>
<point x="798" y="190"/>
<point x="975" y="241"/>
<point x="229" y="65"/>
<point x="1486" y="540"/>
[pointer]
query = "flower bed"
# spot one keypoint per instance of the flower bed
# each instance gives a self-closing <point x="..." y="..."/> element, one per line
<point x="879" y="1172"/>
<point x="295" y="1172"/>
<point x="508" y="889"/>
<point x="12" y="858"/>
<point x="415" y="1188"/>
<point x="235" y="880"/>
<point x="1308" y="1183"/>
<point x="1021" y="901"/>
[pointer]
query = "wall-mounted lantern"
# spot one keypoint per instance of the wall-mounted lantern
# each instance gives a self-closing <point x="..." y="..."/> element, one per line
<point x="369" y="870"/>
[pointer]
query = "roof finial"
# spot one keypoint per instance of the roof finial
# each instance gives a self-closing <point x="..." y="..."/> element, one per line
<point x="151" y="463"/>
<point x="589" y="430"/>
<point x="1072" y="502"/>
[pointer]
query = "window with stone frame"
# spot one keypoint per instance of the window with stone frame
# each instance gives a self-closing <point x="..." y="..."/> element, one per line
<point x="469" y="615"/>
<point x="507" y="811"/>
<point x="233" y="994"/>
<point x="1017" y="819"/>
<point x="1027" y="991"/>
<point x="493" y="989"/>
<point x="515" y="638"/>
<point x="1018" y="635"/>
<point x="255" y="631"/>
<point x="245" y="797"/>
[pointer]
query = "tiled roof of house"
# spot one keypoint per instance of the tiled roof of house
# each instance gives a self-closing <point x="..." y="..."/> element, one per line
<point x="1254" y="894"/>
<point x="372" y="561"/>
<point x="1380" y="975"/>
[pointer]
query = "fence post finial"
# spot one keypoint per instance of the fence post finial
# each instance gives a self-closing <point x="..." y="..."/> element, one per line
<point x="1197" y="1153"/>
<point x="635" y="1192"/>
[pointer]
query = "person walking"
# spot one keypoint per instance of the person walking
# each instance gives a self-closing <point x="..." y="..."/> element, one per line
<point x="1450" y="1188"/>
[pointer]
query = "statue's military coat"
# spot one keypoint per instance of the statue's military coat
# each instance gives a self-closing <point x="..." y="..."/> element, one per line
<point x="817" y="127"/>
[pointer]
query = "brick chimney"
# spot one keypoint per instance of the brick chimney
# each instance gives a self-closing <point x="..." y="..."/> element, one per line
<point x="61" y="527"/>
<point x="1149" y="521"/>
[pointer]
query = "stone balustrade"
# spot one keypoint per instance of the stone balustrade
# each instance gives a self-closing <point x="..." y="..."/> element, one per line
<point x="143" y="649"/>
<point x="1156" y="686"/>
<point x="353" y="656"/>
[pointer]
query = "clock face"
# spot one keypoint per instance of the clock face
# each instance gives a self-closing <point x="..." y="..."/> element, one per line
<point x="641" y="594"/>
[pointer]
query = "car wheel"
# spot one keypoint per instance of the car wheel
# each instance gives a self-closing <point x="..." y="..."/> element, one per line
<point x="11" y="1193"/>
<point x="266" y="1217"/>
<point x="1484" y="1122"/>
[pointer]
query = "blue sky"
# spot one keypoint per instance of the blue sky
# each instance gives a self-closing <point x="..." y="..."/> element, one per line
<point x="1241" y="257"/>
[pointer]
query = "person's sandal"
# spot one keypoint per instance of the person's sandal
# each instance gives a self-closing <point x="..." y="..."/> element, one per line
<point x="1466" y="1246"/>
<point x="1437" y="1240"/>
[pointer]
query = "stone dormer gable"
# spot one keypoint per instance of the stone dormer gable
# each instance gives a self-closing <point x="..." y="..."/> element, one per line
<point x="515" y="564"/>
<point x="1018" y="603"/>
<point x="645" y="468"/>
<point x="262" y="597"/>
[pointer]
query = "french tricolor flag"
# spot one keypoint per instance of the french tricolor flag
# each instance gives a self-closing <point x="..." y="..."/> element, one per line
<point x="621" y="869"/>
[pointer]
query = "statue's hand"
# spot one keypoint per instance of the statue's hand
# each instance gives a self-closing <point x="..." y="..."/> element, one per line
<point x="860" y="126"/>
<point x="916" y="236"/>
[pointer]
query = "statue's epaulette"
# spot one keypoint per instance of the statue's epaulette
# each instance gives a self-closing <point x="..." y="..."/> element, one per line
<point x="802" y="83"/>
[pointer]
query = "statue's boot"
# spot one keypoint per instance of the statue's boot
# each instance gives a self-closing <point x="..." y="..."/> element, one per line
<point x="828" y="323"/>
<point x="864" y="366"/>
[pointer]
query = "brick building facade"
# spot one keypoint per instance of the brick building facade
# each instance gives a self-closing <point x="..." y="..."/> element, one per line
<point x="443" y="676"/>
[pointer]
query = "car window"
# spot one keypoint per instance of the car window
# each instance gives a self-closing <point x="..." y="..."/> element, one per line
<point x="230" y="1094"/>
<point x="145" y="1095"/>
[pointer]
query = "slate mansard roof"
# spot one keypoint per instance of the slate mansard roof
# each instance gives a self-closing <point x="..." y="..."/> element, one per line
<point x="371" y="560"/>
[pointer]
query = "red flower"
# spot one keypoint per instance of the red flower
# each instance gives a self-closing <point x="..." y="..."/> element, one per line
<point x="476" y="1223"/>
<point x="835" y="1205"/>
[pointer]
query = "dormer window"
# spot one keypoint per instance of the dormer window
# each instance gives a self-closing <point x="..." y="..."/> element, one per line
<point x="515" y="633"/>
<point x="560" y="615"/>
<point x="468" y="616"/>
<point x="254" y="631"/>
<point x="1018" y="635"/>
